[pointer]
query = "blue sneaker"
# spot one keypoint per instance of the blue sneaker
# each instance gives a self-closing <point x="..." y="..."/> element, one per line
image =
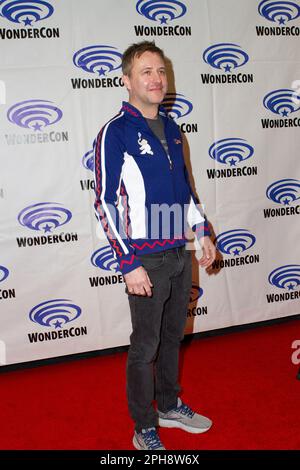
<point x="147" y="439"/>
<point x="183" y="417"/>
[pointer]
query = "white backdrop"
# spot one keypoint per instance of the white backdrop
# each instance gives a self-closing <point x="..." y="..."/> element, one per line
<point x="233" y="91"/>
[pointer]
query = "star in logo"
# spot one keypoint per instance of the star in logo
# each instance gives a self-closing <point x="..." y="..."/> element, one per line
<point x="236" y="252"/>
<point x="101" y="71"/>
<point x="27" y="22"/>
<point x="232" y="162"/>
<point x="58" y="324"/>
<point x="286" y="201"/>
<point x="47" y="228"/>
<point x="37" y="126"/>
<point x="163" y="20"/>
<point x="291" y="286"/>
<point x="281" y="20"/>
<point x="285" y="113"/>
<point x="227" y="68"/>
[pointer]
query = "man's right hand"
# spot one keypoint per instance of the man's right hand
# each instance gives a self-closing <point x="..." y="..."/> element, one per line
<point x="138" y="282"/>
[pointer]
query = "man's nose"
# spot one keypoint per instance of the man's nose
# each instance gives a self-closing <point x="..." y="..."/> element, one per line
<point x="157" y="77"/>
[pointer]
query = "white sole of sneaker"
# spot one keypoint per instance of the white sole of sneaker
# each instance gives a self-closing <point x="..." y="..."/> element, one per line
<point x="167" y="423"/>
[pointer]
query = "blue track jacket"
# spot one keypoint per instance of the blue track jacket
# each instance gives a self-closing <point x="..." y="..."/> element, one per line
<point x="143" y="196"/>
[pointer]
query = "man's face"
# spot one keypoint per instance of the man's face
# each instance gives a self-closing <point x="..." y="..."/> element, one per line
<point x="147" y="83"/>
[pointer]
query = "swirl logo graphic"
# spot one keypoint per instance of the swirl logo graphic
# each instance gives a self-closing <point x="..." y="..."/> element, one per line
<point x="286" y="277"/>
<point x="88" y="160"/>
<point x="282" y="102"/>
<point x="234" y="242"/>
<point x="44" y="216"/>
<point x="4" y="272"/>
<point x="104" y="259"/>
<point x="279" y="11"/>
<point x="55" y="313"/>
<point x="176" y="105"/>
<point x="98" y="59"/>
<point x="161" y="10"/>
<point x="225" y="56"/>
<point x="284" y="191"/>
<point x="230" y="151"/>
<point x="196" y="293"/>
<point x="34" y="114"/>
<point x="26" y="12"/>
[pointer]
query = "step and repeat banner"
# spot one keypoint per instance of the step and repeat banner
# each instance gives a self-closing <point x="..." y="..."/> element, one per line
<point x="234" y="90"/>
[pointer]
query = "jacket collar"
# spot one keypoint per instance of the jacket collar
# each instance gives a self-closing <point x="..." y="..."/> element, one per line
<point x="134" y="115"/>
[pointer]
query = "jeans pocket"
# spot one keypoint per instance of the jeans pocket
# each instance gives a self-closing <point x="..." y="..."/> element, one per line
<point x="152" y="261"/>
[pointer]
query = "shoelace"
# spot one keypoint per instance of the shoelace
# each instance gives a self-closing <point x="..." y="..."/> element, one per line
<point x="151" y="439"/>
<point x="185" y="410"/>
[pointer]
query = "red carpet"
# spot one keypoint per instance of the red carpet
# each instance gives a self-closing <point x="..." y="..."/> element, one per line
<point x="244" y="381"/>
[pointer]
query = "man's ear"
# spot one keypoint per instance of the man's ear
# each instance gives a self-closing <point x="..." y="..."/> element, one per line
<point x="126" y="81"/>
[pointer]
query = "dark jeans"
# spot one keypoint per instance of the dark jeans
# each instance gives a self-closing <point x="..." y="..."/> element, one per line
<point x="158" y="324"/>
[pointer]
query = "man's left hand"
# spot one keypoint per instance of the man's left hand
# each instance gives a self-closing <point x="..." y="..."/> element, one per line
<point x="209" y="252"/>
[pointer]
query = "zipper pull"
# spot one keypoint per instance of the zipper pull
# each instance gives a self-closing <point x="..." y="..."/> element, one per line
<point x="170" y="162"/>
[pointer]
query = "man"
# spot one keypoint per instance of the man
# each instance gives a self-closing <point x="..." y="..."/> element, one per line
<point x="144" y="201"/>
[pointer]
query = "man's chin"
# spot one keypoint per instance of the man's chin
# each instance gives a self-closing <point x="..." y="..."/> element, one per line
<point x="157" y="99"/>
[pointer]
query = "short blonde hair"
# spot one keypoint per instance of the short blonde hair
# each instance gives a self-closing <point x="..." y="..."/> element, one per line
<point x="136" y="50"/>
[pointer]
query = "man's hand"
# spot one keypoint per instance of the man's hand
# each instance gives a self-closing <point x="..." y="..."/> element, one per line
<point x="138" y="282"/>
<point x="209" y="252"/>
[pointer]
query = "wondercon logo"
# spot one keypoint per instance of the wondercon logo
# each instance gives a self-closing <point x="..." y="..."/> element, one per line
<point x="161" y="10"/>
<point x="104" y="259"/>
<point x="88" y="160"/>
<point x="55" y="313"/>
<point x="234" y="242"/>
<point x="4" y="272"/>
<point x="225" y="56"/>
<point x="282" y="102"/>
<point x="98" y="59"/>
<point x="286" y="277"/>
<point x="176" y="105"/>
<point x="34" y="114"/>
<point x="230" y="151"/>
<point x="196" y="293"/>
<point x="26" y="12"/>
<point x="284" y="191"/>
<point x="279" y="11"/>
<point x="45" y="216"/>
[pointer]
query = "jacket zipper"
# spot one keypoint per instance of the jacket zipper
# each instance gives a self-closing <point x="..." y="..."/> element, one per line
<point x="170" y="161"/>
<point x="169" y="158"/>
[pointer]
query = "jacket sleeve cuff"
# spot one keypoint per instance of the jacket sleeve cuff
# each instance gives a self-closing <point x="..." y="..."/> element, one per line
<point x="129" y="263"/>
<point x="201" y="230"/>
